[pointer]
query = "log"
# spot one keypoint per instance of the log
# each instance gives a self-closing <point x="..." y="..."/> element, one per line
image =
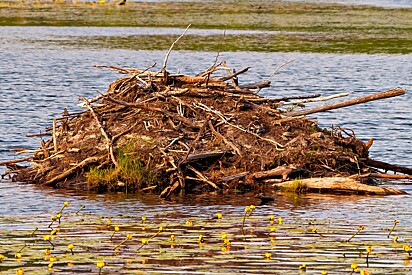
<point x="341" y="185"/>
<point x="387" y="166"/>
<point x="284" y="171"/>
<point x="346" y="103"/>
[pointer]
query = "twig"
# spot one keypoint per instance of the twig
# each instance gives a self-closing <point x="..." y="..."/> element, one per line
<point x="219" y="135"/>
<point x="171" y="47"/>
<point x="108" y="140"/>
<point x="280" y="67"/>
<point x="313" y="99"/>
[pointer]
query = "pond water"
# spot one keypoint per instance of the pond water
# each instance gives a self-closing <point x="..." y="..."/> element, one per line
<point x="37" y="80"/>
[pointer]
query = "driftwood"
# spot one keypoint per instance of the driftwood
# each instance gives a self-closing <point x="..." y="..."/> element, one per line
<point x="342" y="185"/>
<point x="381" y="95"/>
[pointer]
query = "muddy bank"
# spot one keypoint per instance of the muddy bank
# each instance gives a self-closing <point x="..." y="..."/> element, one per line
<point x="173" y="133"/>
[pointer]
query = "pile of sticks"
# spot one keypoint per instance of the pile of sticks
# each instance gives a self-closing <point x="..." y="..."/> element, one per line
<point x="197" y="133"/>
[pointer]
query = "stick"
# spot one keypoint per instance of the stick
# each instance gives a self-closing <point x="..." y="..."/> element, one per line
<point x="327" y="107"/>
<point x="171" y="47"/>
<point x="72" y="170"/>
<point x="235" y="74"/>
<point x="313" y="99"/>
<point x="384" y="176"/>
<point x="108" y="140"/>
<point x="387" y="166"/>
<point x="219" y="135"/>
<point x="14" y="161"/>
<point x="54" y="136"/>
<point x="280" y="67"/>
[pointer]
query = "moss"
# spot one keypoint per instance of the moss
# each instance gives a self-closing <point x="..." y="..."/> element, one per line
<point x="297" y="186"/>
<point x="130" y="174"/>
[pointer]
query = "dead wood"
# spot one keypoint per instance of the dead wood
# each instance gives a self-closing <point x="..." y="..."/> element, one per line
<point x="336" y="185"/>
<point x="175" y="133"/>
<point x="346" y="103"/>
<point x="388" y="167"/>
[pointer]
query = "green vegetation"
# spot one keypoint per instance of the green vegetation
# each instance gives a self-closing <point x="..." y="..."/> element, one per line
<point x="130" y="173"/>
<point x="285" y="26"/>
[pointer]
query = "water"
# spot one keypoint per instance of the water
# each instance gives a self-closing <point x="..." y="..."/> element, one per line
<point x="38" y="80"/>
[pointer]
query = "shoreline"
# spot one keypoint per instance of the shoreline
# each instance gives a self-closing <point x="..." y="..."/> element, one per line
<point x="279" y="26"/>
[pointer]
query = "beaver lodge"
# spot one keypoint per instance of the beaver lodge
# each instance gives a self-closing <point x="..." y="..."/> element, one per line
<point x="173" y="133"/>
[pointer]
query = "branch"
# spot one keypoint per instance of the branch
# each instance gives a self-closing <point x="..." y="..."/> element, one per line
<point x="327" y="107"/>
<point x="171" y="47"/>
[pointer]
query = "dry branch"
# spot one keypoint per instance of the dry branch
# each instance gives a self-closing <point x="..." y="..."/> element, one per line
<point x="381" y="95"/>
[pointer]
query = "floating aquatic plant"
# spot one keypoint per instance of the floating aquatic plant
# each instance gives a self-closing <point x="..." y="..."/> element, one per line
<point x="395" y="222"/>
<point x="360" y="228"/>
<point x="80" y="209"/>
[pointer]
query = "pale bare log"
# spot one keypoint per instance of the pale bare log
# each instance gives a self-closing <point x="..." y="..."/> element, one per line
<point x="346" y="103"/>
<point x="343" y="185"/>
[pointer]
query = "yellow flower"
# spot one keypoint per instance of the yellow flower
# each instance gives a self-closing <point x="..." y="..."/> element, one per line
<point x="50" y="265"/>
<point x="70" y="246"/>
<point x="66" y="204"/>
<point x="2" y="257"/>
<point x="364" y="272"/>
<point x="109" y="222"/>
<point x="354" y="265"/>
<point x="280" y="221"/>
<point x="395" y="221"/>
<point x="361" y="227"/>
<point x="46" y="238"/>
<point x="129" y="236"/>
<point x="369" y="249"/>
<point x="161" y="228"/>
<point x="52" y="259"/>
<point x="17" y="255"/>
<point x="200" y="239"/>
<point x="145" y="242"/>
<point x="395" y="239"/>
<point x="100" y="264"/>
<point x="219" y="215"/>
<point x="116" y="228"/>
<point x="226" y="242"/>
<point x="189" y="223"/>
<point x="53" y="232"/>
<point x="143" y="228"/>
<point x="302" y="267"/>
<point x="70" y="264"/>
<point x="20" y="271"/>
<point x="143" y="218"/>
<point x="407" y="248"/>
<point x="314" y="230"/>
<point x="252" y="207"/>
<point x="53" y="218"/>
<point x="268" y="255"/>
<point x="324" y="272"/>
<point x="271" y="218"/>
<point x="172" y="238"/>
<point x="47" y="251"/>
<point x="273" y="229"/>
<point x="223" y="235"/>
<point x="59" y="215"/>
<point x="247" y="209"/>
